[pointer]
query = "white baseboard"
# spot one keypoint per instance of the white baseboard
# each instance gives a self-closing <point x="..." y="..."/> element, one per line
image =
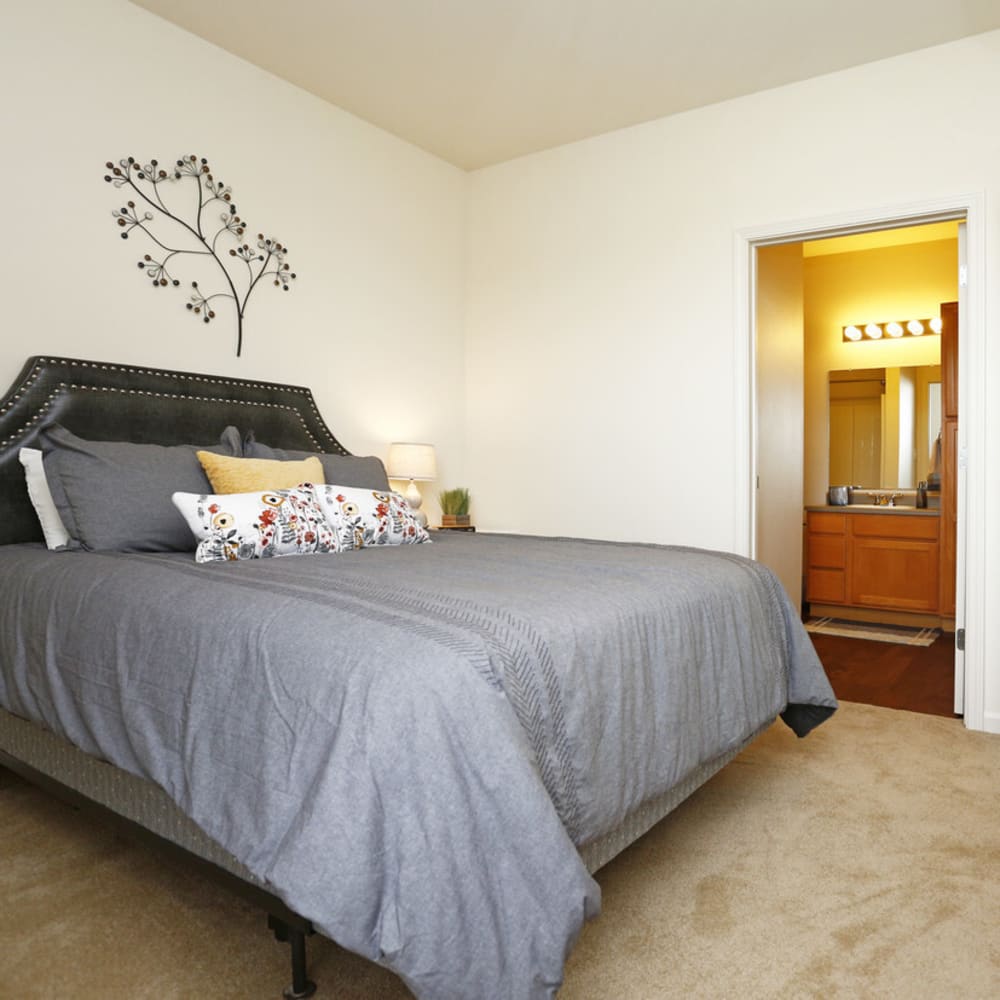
<point x="991" y="722"/>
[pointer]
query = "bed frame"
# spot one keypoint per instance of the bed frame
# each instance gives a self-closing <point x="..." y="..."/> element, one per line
<point x="113" y="402"/>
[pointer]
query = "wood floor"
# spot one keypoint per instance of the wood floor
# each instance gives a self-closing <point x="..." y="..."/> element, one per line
<point x="915" y="678"/>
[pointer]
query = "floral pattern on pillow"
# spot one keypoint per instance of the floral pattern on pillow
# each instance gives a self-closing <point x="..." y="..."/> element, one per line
<point x="360" y="517"/>
<point x="257" y="525"/>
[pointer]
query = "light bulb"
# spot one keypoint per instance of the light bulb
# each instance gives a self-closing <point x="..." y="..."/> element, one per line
<point x="894" y="330"/>
<point x="852" y="333"/>
<point x="915" y="327"/>
<point x="873" y="330"/>
<point x="935" y="324"/>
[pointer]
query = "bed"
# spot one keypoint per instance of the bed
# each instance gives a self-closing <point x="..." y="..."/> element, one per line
<point x="421" y="751"/>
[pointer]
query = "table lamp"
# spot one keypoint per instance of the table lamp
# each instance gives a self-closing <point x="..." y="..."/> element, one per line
<point x="415" y="463"/>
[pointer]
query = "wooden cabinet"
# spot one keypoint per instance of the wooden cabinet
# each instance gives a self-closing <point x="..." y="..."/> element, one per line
<point x="949" y="455"/>
<point x="894" y="562"/>
<point x="884" y="561"/>
<point x="949" y="514"/>
<point x="826" y="557"/>
<point x="949" y="359"/>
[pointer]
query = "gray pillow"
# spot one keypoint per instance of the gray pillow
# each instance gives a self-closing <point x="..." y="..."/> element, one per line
<point x="115" y="495"/>
<point x="363" y="471"/>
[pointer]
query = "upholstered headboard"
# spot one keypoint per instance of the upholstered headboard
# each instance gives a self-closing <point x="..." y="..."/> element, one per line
<point x="109" y="402"/>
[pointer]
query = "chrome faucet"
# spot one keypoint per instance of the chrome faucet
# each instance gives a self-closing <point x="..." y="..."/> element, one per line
<point x="884" y="499"/>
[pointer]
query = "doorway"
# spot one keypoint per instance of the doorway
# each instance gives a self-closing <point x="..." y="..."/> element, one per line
<point x="865" y="407"/>
<point x="970" y="666"/>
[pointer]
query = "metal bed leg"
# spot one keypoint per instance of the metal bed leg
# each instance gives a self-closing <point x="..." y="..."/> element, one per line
<point x="302" y="986"/>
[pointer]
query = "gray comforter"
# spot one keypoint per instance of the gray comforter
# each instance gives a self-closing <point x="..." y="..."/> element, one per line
<point x="407" y="742"/>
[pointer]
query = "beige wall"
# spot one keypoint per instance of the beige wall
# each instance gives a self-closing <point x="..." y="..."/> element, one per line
<point x="601" y="284"/>
<point x="375" y="226"/>
<point x="602" y="315"/>
<point x="882" y="284"/>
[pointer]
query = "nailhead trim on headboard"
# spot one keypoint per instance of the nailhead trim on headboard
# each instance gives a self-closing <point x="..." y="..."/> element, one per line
<point x="208" y="380"/>
<point x="123" y="402"/>
<point x="64" y="388"/>
<point x="159" y="373"/>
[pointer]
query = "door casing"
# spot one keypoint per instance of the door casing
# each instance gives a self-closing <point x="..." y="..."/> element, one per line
<point x="971" y="559"/>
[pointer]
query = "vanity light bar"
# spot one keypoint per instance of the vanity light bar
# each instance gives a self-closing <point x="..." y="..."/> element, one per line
<point x="891" y="331"/>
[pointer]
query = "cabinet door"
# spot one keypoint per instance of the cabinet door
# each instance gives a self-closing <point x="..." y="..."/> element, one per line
<point x="826" y="579"/>
<point x="949" y="515"/>
<point x="826" y="586"/>
<point x="896" y="573"/>
<point x="949" y="448"/>
<point x="949" y="359"/>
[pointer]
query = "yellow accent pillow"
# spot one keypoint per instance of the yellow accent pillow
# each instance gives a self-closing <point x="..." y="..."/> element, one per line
<point x="248" y="475"/>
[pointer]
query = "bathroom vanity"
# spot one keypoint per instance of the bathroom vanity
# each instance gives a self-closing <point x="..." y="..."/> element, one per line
<point x="874" y="563"/>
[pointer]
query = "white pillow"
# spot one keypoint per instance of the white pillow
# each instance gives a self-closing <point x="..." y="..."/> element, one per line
<point x="362" y="517"/>
<point x="40" y="495"/>
<point x="256" y="525"/>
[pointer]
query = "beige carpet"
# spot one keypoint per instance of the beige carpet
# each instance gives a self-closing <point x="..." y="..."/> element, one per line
<point x="863" y="861"/>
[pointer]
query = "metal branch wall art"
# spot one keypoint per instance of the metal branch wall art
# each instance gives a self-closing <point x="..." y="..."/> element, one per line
<point x="181" y="222"/>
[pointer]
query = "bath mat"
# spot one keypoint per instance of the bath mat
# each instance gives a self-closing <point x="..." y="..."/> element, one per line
<point x="902" y="634"/>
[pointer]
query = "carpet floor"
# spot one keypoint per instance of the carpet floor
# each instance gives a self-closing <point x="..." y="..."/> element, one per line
<point x="863" y="861"/>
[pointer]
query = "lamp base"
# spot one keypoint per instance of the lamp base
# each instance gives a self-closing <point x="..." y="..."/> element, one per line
<point x="414" y="499"/>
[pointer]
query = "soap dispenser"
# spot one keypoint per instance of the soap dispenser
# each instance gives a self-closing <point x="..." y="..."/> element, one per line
<point x="921" y="494"/>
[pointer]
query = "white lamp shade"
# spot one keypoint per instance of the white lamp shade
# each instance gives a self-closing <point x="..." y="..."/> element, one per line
<point x="411" y="461"/>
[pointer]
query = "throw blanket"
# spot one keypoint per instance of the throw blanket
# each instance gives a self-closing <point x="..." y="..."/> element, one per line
<point x="406" y="743"/>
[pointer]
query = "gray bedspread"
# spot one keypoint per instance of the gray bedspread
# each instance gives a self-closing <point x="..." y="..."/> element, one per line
<point x="407" y="742"/>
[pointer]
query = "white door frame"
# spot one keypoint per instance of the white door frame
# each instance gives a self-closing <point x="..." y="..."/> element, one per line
<point x="971" y="614"/>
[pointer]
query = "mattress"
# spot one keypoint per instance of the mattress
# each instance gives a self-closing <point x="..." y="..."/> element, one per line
<point x="145" y="803"/>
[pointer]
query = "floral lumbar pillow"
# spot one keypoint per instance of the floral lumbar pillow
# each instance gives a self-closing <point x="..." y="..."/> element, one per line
<point x="361" y="517"/>
<point x="256" y="525"/>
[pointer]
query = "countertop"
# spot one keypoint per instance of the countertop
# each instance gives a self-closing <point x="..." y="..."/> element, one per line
<point x="870" y="508"/>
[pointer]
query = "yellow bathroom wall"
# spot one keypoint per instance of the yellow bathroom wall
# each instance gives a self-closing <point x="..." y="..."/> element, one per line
<point x="887" y="283"/>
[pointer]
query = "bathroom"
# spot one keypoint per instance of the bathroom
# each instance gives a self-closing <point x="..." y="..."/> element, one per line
<point x="873" y="420"/>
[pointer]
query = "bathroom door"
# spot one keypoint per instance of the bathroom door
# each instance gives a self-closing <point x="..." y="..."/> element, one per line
<point x="855" y="441"/>
<point x="961" y="482"/>
<point x="780" y="434"/>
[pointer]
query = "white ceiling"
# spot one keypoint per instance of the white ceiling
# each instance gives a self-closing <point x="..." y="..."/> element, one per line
<point x="477" y="82"/>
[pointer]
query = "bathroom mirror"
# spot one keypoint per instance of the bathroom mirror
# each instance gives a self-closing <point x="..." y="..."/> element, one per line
<point x="884" y="423"/>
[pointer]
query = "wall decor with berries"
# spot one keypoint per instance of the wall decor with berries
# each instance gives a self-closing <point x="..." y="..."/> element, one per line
<point x="177" y="209"/>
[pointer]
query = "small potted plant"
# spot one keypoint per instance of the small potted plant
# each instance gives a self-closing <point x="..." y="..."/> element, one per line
<point x="454" y="507"/>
